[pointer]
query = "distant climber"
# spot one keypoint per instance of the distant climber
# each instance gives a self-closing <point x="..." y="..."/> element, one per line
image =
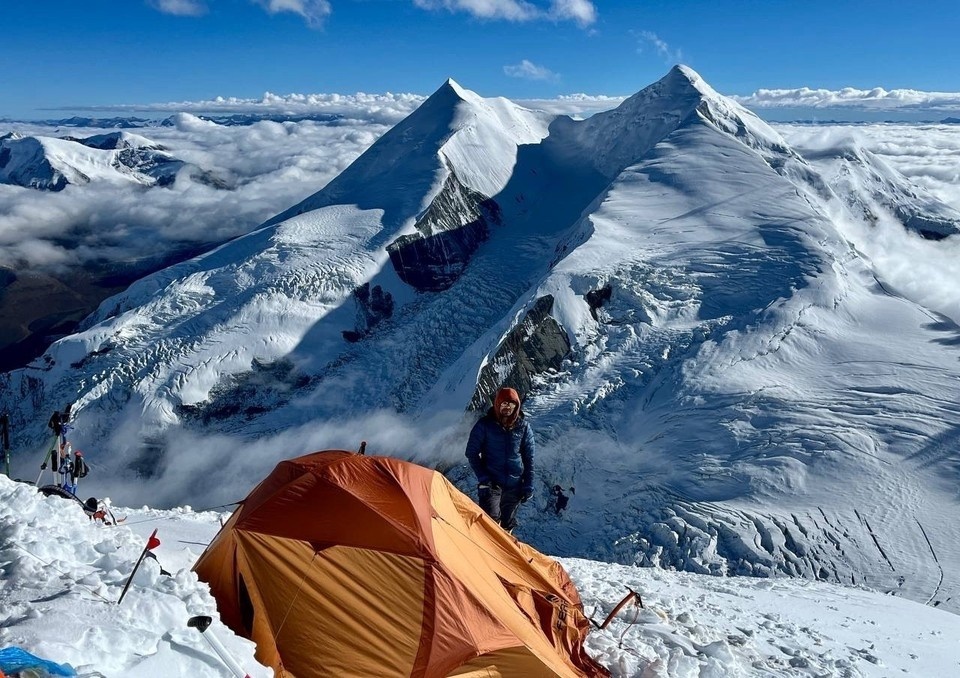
<point x="501" y="450"/>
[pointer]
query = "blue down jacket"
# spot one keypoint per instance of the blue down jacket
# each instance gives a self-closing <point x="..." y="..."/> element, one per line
<point x="501" y="456"/>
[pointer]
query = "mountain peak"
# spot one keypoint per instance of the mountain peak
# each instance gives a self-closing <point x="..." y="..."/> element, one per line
<point x="455" y="86"/>
<point x="683" y="81"/>
<point x="686" y="73"/>
<point x="621" y="136"/>
<point x="450" y="93"/>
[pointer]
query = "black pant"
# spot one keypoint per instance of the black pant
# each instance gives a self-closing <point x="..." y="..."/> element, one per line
<point x="501" y="504"/>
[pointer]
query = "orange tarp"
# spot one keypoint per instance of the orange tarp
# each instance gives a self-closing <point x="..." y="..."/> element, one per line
<point x="339" y="564"/>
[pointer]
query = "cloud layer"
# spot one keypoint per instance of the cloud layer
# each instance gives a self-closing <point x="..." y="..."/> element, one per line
<point x="387" y="109"/>
<point x="877" y="99"/>
<point x="929" y="155"/>
<point x="270" y="166"/>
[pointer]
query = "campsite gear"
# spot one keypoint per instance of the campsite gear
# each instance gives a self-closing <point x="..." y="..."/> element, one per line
<point x="95" y="510"/>
<point x="66" y="473"/>
<point x="80" y="470"/>
<point x="98" y="510"/>
<point x="58" y="424"/>
<point x="344" y="564"/>
<point x="202" y="623"/>
<point x="58" y="491"/>
<point x="53" y="458"/>
<point x="152" y="543"/>
<point x="14" y="660"/>
<point x="632" y="596"/>
<point x="5" y="439"/>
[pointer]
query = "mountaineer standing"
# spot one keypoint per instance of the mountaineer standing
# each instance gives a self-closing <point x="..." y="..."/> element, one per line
<point x="501" y="450"/>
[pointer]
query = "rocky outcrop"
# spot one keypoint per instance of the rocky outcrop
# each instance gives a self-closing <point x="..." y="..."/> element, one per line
<point x="448" y="233"/>
<point x="373" y="306"/>
<point x="534" y="346"/>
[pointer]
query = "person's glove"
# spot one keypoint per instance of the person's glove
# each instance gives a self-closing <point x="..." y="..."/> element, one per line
<point x="43" y="466"/>
<point x="526" y="495"/>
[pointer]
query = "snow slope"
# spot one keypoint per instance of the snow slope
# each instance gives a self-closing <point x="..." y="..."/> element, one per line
<point x="730" y="386"/>
<point x="62" y="575"/>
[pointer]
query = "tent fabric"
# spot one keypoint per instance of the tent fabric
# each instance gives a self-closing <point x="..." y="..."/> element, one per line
<point x="339" y="564"/>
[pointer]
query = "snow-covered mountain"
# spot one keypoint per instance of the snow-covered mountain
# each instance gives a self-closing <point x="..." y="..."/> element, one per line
<point x="708" y="361"/>
<point x="49" y="163"/>
<point x="871" y="189"/>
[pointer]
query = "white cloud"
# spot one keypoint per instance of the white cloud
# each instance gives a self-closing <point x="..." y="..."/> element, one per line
<point x="669" y="56"/>
<point x="530" y="71"/>
<point x="850" y="97"/>
<point x="582" y="12"/>
<point x="511" y="10"/>
<point x="386" y="108"/>
<point x="313" y="11"/>
<point x="180" y="7"/>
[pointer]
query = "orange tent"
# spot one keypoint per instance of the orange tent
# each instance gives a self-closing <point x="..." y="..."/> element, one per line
<point x="339" y="564"/>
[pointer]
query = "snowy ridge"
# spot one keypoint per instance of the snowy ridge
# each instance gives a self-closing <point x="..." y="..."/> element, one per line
<point x="873" y="190"/>
<point x="118" y="140"/>
<point x="739" y="392"/>
<point x="49" y="163"/>
<point x="477" y="137"/>
<point x="618" y="138"/>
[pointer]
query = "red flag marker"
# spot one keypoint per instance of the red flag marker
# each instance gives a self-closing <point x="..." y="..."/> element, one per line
<point x="152" y="543"/>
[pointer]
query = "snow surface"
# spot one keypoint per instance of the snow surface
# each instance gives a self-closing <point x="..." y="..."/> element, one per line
<point x="61" y="575"/>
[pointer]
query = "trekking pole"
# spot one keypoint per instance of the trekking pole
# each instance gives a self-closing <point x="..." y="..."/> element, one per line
<point x="46" y="458"/>
<point x="201" y="623"/>
<point x="5" y="439"/>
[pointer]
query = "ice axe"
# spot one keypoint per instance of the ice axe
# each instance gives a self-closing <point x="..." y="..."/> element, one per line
<point x="633" y="596"/>
<point x="201" y="623"/>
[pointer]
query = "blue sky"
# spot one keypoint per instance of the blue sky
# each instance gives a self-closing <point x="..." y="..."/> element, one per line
<point x="66" y="54"/>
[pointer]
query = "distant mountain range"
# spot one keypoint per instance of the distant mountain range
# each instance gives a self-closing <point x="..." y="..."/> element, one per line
<point x="51" y="164"/>
<point x="252" y="118"/>
<point x="725" y="381"/>
<point x="225" y="119"/>
<point x="38" y="307"/>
